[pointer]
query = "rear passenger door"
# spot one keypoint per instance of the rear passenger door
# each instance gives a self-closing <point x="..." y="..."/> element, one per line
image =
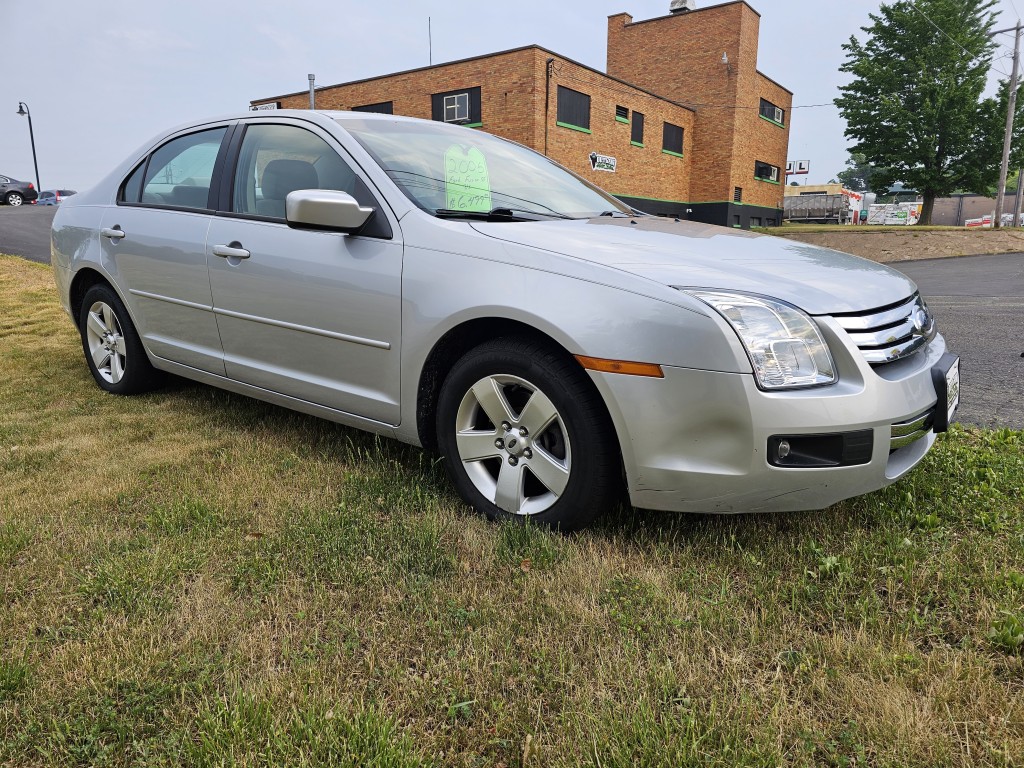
<point x="154" y="245"/>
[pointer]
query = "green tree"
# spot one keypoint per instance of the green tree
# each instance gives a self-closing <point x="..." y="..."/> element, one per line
<point x="915" y="108"/>
<point x="858" y="172"/>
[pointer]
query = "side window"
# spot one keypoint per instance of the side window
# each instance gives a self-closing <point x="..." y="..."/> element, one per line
<point x="637" y="134"/>
<point x="179" y="173"/>
<point x="131" y="190"/>
<point x="277" y="159"/>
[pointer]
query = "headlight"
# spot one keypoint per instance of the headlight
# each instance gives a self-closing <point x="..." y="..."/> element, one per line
<point x="783" y="343"/>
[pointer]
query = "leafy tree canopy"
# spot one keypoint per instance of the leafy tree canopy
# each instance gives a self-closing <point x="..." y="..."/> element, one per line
<point x="914" y="107"/>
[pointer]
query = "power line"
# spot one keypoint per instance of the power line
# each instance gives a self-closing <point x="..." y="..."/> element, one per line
<point x="953" y="40"/>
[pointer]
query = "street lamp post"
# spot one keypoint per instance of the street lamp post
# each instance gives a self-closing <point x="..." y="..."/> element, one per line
<point x="23" y="111"/>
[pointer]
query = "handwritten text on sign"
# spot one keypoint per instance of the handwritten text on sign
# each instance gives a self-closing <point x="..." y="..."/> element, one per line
<point x="466" y="180"/>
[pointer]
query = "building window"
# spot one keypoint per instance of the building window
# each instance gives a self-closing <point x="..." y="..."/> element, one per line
<point x="766" y="172"/>
<point x="672" y="140"/>
<point x="736" y="220"/>
<point x="622" y="114"/>
<point x="461" y="107"/>
<point x="456" y="108"/>
<point x="382" y="107"/>
<point x="573" y="109"/>
<point x="755" y="221"/>
<point x="770" y="112"/>
<point x="737" y="195"/>
<point x="636" y="135"/>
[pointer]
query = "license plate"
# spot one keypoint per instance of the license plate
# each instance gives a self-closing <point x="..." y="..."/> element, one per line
<point x="946" y="378"/>
<point x="952" y="390"/>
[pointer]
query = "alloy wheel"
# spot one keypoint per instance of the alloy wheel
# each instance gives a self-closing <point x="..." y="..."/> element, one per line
<point x="513" y="444"/>
<point x="106" y="342"/>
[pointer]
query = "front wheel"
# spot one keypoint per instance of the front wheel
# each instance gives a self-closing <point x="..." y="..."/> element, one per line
<point x="13" y="198"/>
<point x="112" y="346"/>
<point x="525" y="436"/>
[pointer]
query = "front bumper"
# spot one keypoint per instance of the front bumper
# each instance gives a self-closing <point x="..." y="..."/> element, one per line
<point x="696" y="441"/>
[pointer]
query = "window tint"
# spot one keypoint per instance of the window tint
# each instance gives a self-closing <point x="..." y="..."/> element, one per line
<point x="637" y="129"/>
<point x="461" y="106"/>
<point x="672" y="139"/>
<point x="573" y="108"/>
<point x="278" y="159"/>
<point x="132" y="188"/>
<point x="179" y="173"/>
<point x="383" y="108"/>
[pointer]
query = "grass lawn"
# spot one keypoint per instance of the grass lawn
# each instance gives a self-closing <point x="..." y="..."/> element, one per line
<point x="194" y="578"/>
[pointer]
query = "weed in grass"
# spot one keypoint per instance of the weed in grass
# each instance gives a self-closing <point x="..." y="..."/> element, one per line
<point x="1007" y="633"/>
<point x="245" y="729"/>
<point x="528" y="547"/>
<point x="14" y="676"/>
<point x="186" y="516"/>
<point x="13" y="540"/>
<point x="135" y="578"/>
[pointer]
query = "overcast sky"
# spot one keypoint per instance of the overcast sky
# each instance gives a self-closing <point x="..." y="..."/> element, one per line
<point x="102" y="77"/>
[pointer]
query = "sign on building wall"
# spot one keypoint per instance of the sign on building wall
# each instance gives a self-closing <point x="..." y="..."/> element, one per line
<point x="602" y="162"/>
<point x="798" y="167"/>
<point x="261" y="107"/>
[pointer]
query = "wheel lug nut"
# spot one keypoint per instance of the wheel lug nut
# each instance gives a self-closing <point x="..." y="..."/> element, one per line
<point x="499" y="443"/>
<point x="513" y="460"/>
<point x="522" y="431"/>
<point x="528" y="453"/>
<point x="506" y="426"/>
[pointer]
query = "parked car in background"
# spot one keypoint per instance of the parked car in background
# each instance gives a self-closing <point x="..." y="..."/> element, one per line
<point x="451" y="289"/>
<point x="53" y="196"/>
<point x="14" y="192"/>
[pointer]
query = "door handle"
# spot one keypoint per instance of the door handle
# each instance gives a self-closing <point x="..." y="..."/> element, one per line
<point x="232" y="251"/>
<point x="114" y="233"/>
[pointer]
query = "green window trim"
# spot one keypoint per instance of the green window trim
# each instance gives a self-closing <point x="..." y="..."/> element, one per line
<point x="621" y="120"/>
<point x="670" y="152"/>
<point x="773" y="122"/>
<point x="472" y="125"/>
<point x="768" y="181"/>
<point x="637" y="144"/>
<point x="572" y="127"/>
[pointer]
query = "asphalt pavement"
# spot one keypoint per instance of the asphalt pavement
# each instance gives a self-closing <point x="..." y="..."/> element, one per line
<point x="977" y="300"/>
<point x="25" y="231"/>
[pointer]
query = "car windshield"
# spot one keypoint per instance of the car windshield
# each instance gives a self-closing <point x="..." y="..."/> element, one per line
<point x="452" y="171"/>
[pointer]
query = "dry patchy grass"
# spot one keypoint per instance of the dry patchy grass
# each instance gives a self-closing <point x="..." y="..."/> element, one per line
<point x="195" y="578"/>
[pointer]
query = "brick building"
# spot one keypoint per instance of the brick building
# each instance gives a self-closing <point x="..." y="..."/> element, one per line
<point x="683" y="116"/>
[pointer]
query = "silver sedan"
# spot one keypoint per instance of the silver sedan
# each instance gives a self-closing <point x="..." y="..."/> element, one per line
<point x="453" y="290"/>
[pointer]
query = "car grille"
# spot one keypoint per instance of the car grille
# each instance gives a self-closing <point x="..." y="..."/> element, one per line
<point x="892" y="332"/>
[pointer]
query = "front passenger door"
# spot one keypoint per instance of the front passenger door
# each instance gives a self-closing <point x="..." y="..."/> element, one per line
<point x="312" y="315"/>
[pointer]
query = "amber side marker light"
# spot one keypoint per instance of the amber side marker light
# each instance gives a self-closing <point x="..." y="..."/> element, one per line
<point x="621" y="366"/>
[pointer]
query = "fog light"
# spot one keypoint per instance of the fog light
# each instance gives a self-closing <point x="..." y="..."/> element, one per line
<point x="783" y="450"/>
<point x="840" y="449"/>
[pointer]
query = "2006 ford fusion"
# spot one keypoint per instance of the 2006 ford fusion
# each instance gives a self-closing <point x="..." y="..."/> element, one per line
<point x="453" y="290"/>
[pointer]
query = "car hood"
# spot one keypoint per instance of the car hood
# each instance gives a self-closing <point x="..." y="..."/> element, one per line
<point x="688" y="254"/>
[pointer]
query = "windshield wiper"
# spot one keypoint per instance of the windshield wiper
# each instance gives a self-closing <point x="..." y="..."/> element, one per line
<point x="500" y="213"/>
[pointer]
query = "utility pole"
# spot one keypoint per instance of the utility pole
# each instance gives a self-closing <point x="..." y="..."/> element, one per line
<point x="312" y="94"/>
<point x="1018" y="199"/>
<point x="1007" y="138"/>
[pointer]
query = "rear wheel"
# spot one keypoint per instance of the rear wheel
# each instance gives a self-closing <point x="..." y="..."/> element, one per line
<point x="14" y="198"/>
<point x="525" y="437"/>
<point x="112" y="346"/>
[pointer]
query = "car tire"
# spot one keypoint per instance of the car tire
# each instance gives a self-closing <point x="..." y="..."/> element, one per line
<point x="112" y="346"/>
<point x="562" y="472"/>
<point x="14" y="198"/>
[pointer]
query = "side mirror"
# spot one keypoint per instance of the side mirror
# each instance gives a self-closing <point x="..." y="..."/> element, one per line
<point x="325" y="209"/>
